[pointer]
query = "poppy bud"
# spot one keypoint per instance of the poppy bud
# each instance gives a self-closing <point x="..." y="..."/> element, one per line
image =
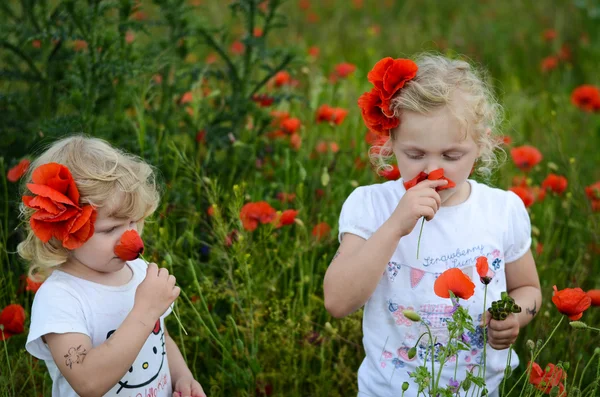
<point x="578" y="324"/>
<point x="412" y="352"/>
<point x="516" y="309"/>
<point x="484" y="392"/>
<point x="405" y="386"/>
<point x="466" y="384"/>
<point x="530" y="344"/>
<point x="411" y="315"/>
<point x="503" y="316"/>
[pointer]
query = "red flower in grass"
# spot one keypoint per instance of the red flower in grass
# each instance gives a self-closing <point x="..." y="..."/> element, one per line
<point x="282" y="78"/>
<point x="12" y="321"/>
<point x="321" y="230"/>
<point x="390" y="174"/>
<point x="237" y="47"/>
<point x="587" y="98"/>
<point x="16" y="172"/>
<point x="571" y="302"/>
<point x="263" y="100"/>
<point x="287" y="217"/>
<point x="31" y="285"/>
<point x="546" y="380"/>
<point x="549" y="63"/>
<point x="483" y="269"/>
<point x="456" y="281"/>
<point x="593" y="191"/>
<point x="58" y="213"/>
<point x="526" y="157"/>
<point x="525" y="194"/>
<point x="556" y="183"/>
<point x="252" y="214"/>
<point x="432" y="176"/>
<point x="326" y="113"/>
<point x="344" y="69"/>
<point x="594" y="294"/>
<point x="291" y="125"/>
<point x="130" y="246"/>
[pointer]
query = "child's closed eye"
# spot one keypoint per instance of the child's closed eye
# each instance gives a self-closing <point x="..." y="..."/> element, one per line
<point x="452" y="157"/>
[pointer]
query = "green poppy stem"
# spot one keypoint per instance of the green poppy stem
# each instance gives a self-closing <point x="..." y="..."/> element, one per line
<point x="420" y="233"/>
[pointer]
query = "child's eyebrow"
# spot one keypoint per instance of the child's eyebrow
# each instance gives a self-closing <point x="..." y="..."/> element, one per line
<point x="413" y="147"/>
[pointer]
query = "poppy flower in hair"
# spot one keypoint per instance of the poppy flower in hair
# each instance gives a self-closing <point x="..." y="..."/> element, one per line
<point x="57" y="210"/>
<point x="388" y="76"/>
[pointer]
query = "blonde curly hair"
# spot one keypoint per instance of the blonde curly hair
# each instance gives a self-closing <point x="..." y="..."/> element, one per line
<point x="434" y="86"/>
<point x="100" y="172"/>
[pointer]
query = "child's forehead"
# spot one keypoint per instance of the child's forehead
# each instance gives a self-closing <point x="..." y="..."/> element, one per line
<point x="441" y="126"/>
<point x="111" y="207"/>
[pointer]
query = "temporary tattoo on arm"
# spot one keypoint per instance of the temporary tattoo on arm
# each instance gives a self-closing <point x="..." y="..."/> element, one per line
<point x="75" y="356"/>
<point x="533" y="311"/>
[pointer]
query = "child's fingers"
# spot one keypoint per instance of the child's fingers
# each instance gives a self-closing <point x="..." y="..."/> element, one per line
<point x="176" y="394"/>
<point x="185" y="390"/>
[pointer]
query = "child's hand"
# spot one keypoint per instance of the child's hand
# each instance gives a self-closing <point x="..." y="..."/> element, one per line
<point x="421" y="200"/>
<point x="501" y="334"/>
<point x="155" y="294"/>
<point x="187" y="386"/>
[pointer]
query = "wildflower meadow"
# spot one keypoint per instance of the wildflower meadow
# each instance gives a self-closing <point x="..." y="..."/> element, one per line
<point x="248" y="111"/>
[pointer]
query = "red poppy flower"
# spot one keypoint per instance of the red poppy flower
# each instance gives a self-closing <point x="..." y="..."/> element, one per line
<point x="545" y="380"/>
<point x="571" y="302"/>
<point x="549" y="63"/>
<point x="314" y="51"/>
<point x="389" y="75"/>
<point x="291" y="125"/>
<point x="321" y="230"/>
<point x="12" y="319"/>
<point x="586" y="97"/>
<point x="526" y="157"/>
<point x="130" y="246"/>
<point x="57" y="211"/>
<point x="282" y="78"/>
<point x="373" y="138"/>
<point x="31" y="285"/>
<point x="549" y="34"/>
<point x="295" y="141"/>
<point x="371" y="109"/>
<point x="252" y="214"/>
<point x="287" y="217"/>
<point x="330" y="114"/>
<point x="524" y="194"/>
<point x="286" y="197"/>
<point x="187" y="97"/>
<point x="16" y="172"/>
<point x="433" y="176"/>
<point x="593" y="191"/>
<point x="556" y="183"/>
<point x="390" y="174"/>
<point x="483" y="269"/>
<point x="344" y="69"/>
<point x="263" y="100"/>
<point x="456" y="281"/>
<point x="237" y="47"/>
<point x="594" y="294"/>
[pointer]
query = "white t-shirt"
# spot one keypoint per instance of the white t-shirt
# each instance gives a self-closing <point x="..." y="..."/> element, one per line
<point x="65" y="303"/>
<point x="491" y="222"/>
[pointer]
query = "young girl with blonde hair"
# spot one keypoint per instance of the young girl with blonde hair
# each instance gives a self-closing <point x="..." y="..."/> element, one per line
<point x="435" y="114"/>
<point x="98" y="320"/>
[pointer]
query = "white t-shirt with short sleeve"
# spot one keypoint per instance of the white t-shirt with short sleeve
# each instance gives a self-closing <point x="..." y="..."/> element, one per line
<point x="65" y="303"/>
<point x="492" y="223"/>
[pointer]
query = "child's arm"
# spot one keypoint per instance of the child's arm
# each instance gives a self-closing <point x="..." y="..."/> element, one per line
<point x="523" y="285"/>
<point x="356" y="269"/>
<point x="94" y="371"/>
<point x="184" y="384"/>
